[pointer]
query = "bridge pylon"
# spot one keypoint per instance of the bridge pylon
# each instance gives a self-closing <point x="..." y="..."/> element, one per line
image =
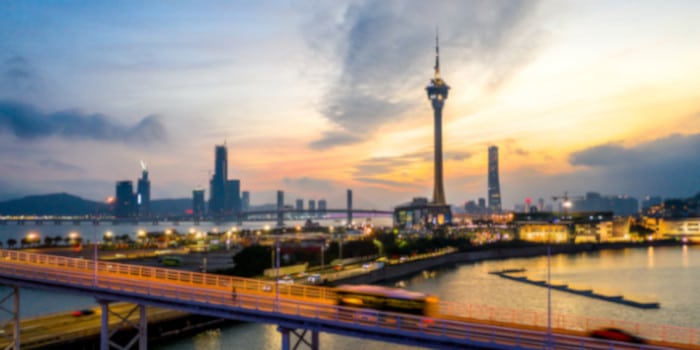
<point x="300" y="338"/>
<point x="125" y="320"/>
<point x="14" y="311"/>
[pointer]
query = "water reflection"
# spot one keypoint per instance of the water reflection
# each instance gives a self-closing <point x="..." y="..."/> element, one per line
<point x="650" y="257"/>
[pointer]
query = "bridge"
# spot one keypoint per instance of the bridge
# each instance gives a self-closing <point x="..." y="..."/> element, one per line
<point x="280" y="213"/>
<point x="300" y="312"/>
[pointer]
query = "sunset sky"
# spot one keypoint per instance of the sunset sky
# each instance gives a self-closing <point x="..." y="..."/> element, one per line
<point x="316" y="97"/>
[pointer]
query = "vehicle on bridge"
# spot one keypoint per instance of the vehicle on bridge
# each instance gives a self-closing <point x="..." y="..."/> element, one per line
<point x="387" y="299"/>
<point x="611" y="333"/>
<point x="171" y="260"/>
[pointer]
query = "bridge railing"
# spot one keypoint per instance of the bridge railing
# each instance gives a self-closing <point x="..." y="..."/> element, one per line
<point x="226" y="285"/>
<point x="166" y="275"/>
<point x="419" y="328"/>
<point x="539" y="319"/>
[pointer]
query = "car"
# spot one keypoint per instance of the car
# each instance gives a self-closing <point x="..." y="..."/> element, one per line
<point x="84" y="312"/>
<point x="315" y="278"/>
<point x="617" y="334"/>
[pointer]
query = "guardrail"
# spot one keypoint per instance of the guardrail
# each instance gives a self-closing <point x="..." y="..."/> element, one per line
<point x="366" y="321"/>
<point x="262" y="296"/>
<point x="531" y="318"/>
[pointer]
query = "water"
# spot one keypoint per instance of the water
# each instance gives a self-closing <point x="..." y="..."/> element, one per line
<point x="667" y="275"/>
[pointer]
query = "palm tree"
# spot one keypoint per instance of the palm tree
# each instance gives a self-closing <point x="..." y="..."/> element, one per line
<point x="48" y="241"/>
<point x="11" y="242"/>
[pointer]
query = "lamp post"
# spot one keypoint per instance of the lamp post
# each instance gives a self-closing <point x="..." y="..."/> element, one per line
<point x="277" y="273"/>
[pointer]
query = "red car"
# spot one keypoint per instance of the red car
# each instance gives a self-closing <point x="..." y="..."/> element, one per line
<point x="617" y="334"/>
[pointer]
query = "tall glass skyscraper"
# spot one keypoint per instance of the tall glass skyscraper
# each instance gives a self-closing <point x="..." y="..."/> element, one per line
<point x="217" y="185"/>
<point x="494" y="184"/>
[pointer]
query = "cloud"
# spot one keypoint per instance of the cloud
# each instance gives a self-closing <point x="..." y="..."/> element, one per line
<point x="53" y="164"/>
<point x="390" y="183"/>
<point x="384" y="50"/>
<point x="309" y="184"/>
<point x="334" y="138"/>
<point x="19" y="75"/>
<point x="28" y="123"/>
<point x="667" y="166"/>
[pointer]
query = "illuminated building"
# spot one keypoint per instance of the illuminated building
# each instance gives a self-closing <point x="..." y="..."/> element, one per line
<point x="494" y="189"/>
<point x="143" y="194"/>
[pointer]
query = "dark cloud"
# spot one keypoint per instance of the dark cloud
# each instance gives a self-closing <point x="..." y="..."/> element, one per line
<point x="385" y="53"/>
<point x="668" y="166"/>
<point x="27" y="122"/>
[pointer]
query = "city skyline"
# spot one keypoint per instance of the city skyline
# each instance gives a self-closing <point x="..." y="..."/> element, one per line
<point x="313" y="99"/>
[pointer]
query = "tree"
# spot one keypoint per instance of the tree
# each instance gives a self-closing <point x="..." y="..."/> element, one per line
<point x="11" y="243"/>
<point x="48" y="241"/>
<point x="252" y="261"/>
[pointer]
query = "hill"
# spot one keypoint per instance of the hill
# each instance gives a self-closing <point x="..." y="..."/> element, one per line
<point x="51" y="204"/>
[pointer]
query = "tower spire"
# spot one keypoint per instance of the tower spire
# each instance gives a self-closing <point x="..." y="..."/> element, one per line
<point x="437" y="54"/>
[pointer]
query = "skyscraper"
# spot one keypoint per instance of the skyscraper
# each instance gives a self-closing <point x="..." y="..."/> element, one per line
<point x="233" y="197"/>
<point x="198" y="203"/>
<point x="437" y="93"/>
<point x="143" y="195"/>
<point x="125" y="205"/>
<point x="494" y="185"/>
<point x="217" y="185"/>
<point x="245" y="201"/>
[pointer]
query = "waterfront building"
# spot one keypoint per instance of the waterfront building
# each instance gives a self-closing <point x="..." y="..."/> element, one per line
<point x="217" y="185"/>
<point x="125" y="203"/>
<point x="198" y="212"/>
<point x="143" y="195"/>
<point x="494" y="187"/>
<point x="437" y="212"/>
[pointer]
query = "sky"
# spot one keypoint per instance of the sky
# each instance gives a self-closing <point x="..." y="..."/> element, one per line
<point x="316" y="97"/>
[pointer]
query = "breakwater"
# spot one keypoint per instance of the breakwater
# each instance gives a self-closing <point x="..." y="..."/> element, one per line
<point x="563" y="287"/>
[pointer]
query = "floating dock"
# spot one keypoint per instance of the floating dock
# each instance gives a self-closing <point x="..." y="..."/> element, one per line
<point x="619" y="299"/>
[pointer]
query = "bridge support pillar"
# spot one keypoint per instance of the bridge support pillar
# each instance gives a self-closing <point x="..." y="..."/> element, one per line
<point x="14" y="294"/>
<point x="124" y="321"/>
<point x="299" y="338"/>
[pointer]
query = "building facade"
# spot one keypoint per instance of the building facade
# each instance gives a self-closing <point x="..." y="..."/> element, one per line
<point x="125" y="202"/>
<point x="494" y="186"/>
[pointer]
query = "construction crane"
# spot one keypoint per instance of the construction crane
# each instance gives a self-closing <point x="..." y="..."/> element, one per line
<point x="565" y="200"/>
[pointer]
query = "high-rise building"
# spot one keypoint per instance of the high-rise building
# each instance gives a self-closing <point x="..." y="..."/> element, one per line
<point x="125" y="204"/>
<point x="198" y="204"/>
<point x="322" y="206"/>
<point x="232" y="205"/>
<point x="143" y="194"/>
<point x="312" y="206"/>
<point x="437" y="94"/>
<point x="245" y="201"/>
<point x="217" y="185"/>
<point x="494" y="185"/>
<point x="300" y="205"/>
